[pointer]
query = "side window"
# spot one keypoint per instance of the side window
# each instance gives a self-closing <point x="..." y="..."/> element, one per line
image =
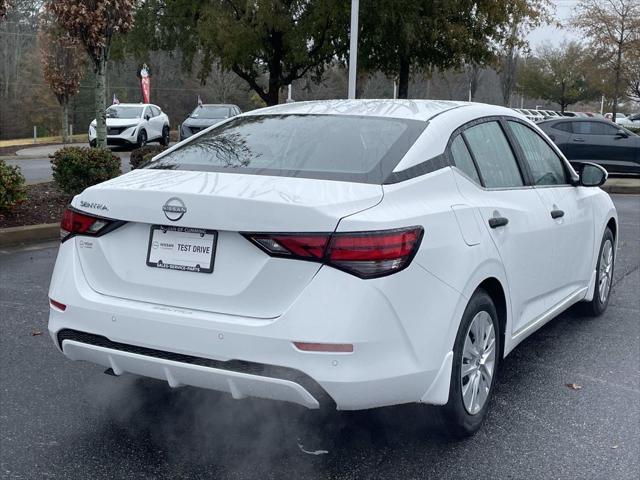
<point x="462" y="158"/>
<point x="493" y="156"/>
<point x="545" y="165"/>
<point x="601" y="128"/>
<point x="564" y="126"/>
<point x="146" y="112"/>
<point x="593" y="128"/>
<point x="154" y="111"/>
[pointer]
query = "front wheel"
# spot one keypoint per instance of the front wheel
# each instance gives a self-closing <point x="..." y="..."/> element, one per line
<point x="604" y="277"/>
<point x="142" y="138"/>
<point x="476" y="355"/>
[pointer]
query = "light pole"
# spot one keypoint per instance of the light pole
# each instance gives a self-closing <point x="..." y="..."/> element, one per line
<point x="353" y="48"/>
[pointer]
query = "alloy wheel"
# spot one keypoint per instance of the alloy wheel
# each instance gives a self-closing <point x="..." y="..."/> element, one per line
<point x="478" y="362"/>
<point x="605" y="271"/>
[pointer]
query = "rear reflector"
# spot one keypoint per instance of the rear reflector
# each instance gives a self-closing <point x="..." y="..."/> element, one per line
<point x="58" y="305"/>
<point x="76" y="223"/>
<point x="364" y="254"/>
<point x="324" y="347"/>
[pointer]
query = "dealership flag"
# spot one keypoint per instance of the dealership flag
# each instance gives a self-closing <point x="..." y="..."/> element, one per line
<point x="145" y="84"/>
<point x="115" y="100"/>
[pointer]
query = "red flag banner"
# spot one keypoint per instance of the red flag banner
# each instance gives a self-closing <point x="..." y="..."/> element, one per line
<point x="145" y="84"/>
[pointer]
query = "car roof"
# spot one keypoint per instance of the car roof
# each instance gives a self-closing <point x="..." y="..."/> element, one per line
<point x="133" y="105"/>
<point x="218" y="105"/>
<point x="404" y="109"/>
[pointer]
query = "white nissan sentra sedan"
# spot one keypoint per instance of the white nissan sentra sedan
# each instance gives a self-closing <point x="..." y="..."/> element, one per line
<point x="350" y="254"/>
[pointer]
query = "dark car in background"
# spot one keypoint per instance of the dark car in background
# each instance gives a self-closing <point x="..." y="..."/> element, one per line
<point x="593" y="140"/>
<point x="206" y="115"/>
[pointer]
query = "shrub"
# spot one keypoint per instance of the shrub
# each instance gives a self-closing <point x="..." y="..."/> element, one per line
<point x="12" y="189"/>
<point x="76" y="168"/>
<point x="634" y="129"/>
<point x="142" y="155"/>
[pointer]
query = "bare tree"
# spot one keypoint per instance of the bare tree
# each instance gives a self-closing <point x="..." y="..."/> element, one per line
<point x="513" y="43"/>
<point x="63" y="67"/>
<point x="95" y="23"/>
<point x="474" y="75"/>
<point x="613" y="27"/>
<point x="633" y="78"/>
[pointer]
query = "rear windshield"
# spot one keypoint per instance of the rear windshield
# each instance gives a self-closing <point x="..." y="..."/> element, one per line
<point x="333" y="147"/>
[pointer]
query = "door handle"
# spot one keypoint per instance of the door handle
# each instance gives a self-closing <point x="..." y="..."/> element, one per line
<point x="578" y="139"/>
<point x="557" y="213"/>
<point x="496" y="222"/>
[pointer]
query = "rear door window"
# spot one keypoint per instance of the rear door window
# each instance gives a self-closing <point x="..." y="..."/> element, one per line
<point x="545" y="165"/>
<point x="462" y="158"/>
<point x="594" y="128"/>
<point x="493" y="155"/>
<point x="334" y="147"/>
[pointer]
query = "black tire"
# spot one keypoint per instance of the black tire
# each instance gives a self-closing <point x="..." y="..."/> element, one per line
<point x="453" y="419"/>
<point x="165" y="138"/>
<point x="142" y="138"/>
<point x="596" y="306"/>
<point x="93" y="143"/>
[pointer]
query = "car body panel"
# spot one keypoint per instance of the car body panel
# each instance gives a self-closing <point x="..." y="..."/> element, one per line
<point x="245" y="280"/>
<point x="402" y="327"/>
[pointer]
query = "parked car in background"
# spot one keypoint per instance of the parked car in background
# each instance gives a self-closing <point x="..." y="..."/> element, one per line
<point x="134" y="124"/>
<point x="206" y="115"/>
<point x="344" y="254"/>
<point x="550" y="113"/>
<point x="630" y="121"/>
<point x="599" y="141"/>
<point x="533" y="115"/>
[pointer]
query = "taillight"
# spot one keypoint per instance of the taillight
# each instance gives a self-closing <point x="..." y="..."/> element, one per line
<point x="76" y="223"/>
<point x="364" y="254"/>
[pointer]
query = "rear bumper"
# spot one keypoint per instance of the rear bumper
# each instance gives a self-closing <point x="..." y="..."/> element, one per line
<point x="177" y="374"/>
<point x="401" y="339"/>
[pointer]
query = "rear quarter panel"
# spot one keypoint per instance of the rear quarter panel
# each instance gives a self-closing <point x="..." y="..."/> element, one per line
<point x="431" y="316"/>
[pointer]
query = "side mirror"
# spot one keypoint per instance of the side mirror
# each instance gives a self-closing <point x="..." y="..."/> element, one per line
<point x="592" y="175"/>
<point x="621" y="134"/>
<point x="147" y="117"/>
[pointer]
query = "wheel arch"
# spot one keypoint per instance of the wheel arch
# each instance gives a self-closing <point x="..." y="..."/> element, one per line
<point x="613" y="226"/>
<point x="494" y="289"/>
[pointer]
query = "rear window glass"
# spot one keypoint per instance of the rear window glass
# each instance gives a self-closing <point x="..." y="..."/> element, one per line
<point x="333" y="147"/>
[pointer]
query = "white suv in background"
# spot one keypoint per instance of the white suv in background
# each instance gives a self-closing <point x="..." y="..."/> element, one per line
<point x="134" y="124"/>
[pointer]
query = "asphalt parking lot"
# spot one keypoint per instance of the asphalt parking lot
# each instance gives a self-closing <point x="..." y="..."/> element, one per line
<point x="60" y="419"/>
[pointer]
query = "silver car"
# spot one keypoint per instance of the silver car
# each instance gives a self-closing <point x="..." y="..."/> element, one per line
<point x="205" y="116"/>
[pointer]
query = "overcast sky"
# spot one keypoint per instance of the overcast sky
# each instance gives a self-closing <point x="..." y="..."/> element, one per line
<point x="563" y="11"/>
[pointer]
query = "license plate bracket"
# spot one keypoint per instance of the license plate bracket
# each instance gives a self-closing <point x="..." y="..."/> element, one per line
<point x="182" y="248"/>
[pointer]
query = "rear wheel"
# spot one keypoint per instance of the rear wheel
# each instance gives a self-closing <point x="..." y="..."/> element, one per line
<point x="604" y="277"/>
<point x="475" y="364"/>
<point x="164" y="140"/>
<point x="142" y="138"/>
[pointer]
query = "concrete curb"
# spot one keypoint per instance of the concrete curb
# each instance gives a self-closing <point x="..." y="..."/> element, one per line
<point x="30" y="233"/>
<point x="622" y="189"/>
